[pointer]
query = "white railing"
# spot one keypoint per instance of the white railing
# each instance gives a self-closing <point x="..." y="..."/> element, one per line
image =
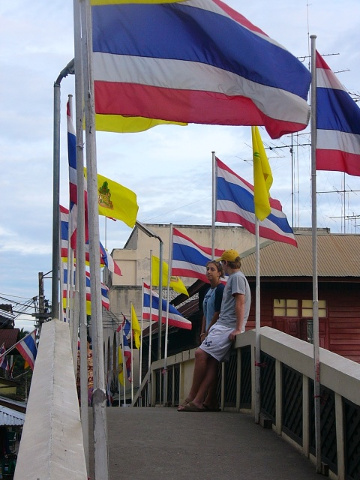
<point x="338" y="374"/>
<point x="51" y="445"/>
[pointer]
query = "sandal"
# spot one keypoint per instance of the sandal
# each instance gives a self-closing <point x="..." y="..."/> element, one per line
<point x="183" y="405"/>
<point x="191" y="407"/>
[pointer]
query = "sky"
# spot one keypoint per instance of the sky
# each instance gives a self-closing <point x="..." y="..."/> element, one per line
<point x="168" y="167"/>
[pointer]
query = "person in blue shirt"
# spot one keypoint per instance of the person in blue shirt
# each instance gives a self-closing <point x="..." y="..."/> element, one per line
<point x="216" y="346"/>
<point x="211" y="311"/>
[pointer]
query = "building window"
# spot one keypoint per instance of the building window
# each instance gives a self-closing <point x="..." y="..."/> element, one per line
<point x="286" y="307"/>
<point x="307" y="308"/>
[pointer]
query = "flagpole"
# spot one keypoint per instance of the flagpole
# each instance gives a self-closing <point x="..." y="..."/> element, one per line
<point x="317" y="391"/>
<point x="117" y="365"/>
<point x="167" y="316"/>
<point x="74" y="287"/>
<point x="99" y="393"/>
<point x="257" y="325"/>
<point x="124" y="366"/>
<point x="132" y="354"/>
<point x="80" y="12"/>
<point x="150" y="333"/>
<point x="141" y="338"/>
<point x="213" y="206"/>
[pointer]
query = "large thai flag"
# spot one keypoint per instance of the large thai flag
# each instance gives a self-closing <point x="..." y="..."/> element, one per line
<point x="190" y="258"/>
<point x="337" y="124"/>
<point x="175" y="318"/>
<point x="235" y="204"/>
<point x="194" y="61"/>
<point x="28" y="348"/>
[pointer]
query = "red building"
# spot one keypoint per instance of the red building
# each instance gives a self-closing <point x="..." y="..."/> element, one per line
<point x="286" y="289"/>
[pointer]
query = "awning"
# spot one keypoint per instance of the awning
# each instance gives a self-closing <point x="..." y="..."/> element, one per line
<point x="11" y="417"/>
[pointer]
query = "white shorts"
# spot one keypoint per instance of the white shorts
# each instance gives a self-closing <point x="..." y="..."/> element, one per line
<point x="217" y="343"/>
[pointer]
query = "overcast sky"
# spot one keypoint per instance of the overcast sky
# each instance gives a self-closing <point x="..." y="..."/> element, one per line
<point x="168" y="167"/>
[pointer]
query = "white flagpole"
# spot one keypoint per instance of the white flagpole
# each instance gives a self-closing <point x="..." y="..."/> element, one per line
<point x="213" y="207"/>
<point x="314" y="256"/>
<point x="117" y="365"/>
<point x="75" y="288"/>
<point x="141" y="336"/>
<point x="124" y="366"/>
<point x="167" y="314"/>
<point x="132" y="355"/>
<point x="257" y="325"/>
<point x="79" y="12"/>
<point x="150" y="332"/>
<point x="99" y="394"/>
<point x="62" y="286"/>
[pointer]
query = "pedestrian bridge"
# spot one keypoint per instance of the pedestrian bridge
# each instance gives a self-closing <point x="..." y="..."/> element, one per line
<point x="162" y="443"/>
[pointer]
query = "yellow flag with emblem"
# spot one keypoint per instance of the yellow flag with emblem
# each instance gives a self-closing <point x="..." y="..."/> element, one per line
<point x="116" y="201"/>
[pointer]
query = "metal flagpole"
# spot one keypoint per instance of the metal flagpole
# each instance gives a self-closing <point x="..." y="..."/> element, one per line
<point x="167" y="315"/>
<point x="213" y="206"/>
<point x="132" y="354"/>
<point x="80" y="12"/>
<point x="69" y="69"/>
<point x="99" y="393"/>
<point x="141" y="338"/>
<point x="150" y="334"/>
<point x="257" y="325"/>
<point x="314" y="257"/>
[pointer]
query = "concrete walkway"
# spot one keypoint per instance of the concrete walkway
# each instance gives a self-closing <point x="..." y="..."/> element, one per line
<point x="163" y="444"/>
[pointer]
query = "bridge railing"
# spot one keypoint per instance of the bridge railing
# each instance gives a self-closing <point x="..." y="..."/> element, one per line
<point x="51" y="445"/>
<point x="287" y="394"/>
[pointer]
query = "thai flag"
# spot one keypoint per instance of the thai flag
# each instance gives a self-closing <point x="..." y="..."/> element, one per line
<point x="337" y="124"/>
<point x="104" y="292"/>
<point x="195" y="62"/>
<point x="106" y="259"/>
<point x="73" y="182"/>
<point x="28" y="349"/>
<point x="175" y="317"/>
<point x="190" y="258"/>
<point x="235" y="204"/>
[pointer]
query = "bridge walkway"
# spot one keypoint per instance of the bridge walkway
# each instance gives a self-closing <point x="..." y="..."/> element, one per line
<point x="160" y="443"/>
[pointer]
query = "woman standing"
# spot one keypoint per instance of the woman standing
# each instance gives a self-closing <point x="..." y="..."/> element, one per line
<point x="213" y="297"/>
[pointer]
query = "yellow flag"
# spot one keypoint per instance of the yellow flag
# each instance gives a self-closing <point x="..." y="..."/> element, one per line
<point x="116" y="201"/>
<point x="120" y="366"/>
<point x="175" y="282"/>
<point x="120" y="124"/>
<point x="135" y="327"/>
<point x="262" y="177"/>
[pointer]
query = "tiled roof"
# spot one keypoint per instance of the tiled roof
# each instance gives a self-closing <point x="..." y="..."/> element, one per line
<point x="9" y="336"/>
<point x="338" y="256"/>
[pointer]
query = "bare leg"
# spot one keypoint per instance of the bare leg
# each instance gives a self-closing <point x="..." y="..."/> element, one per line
<point x="211" y="400"/>
<point x="200" y="372"/>
<point x="208" y="380"/>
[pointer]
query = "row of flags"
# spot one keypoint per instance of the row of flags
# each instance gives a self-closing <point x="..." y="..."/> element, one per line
<point x="27" y="348"/>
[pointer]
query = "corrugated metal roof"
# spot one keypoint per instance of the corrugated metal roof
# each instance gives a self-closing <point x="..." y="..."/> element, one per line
<point x="338" y="256"/>
<point x="11" y="417"/>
